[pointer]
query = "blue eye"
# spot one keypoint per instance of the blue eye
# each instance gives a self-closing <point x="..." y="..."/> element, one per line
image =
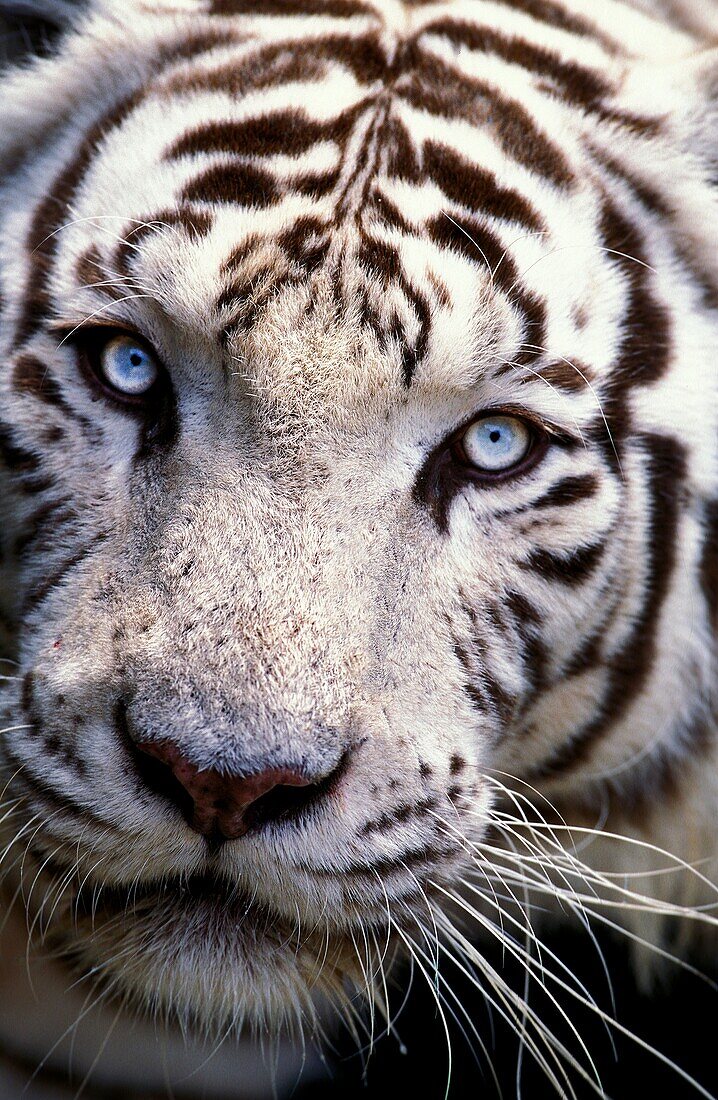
<point x="496" y="443"/>
<point x="128" y="367"/>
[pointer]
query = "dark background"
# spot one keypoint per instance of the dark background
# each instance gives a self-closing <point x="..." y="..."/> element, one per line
<point x="679" y="1017"/>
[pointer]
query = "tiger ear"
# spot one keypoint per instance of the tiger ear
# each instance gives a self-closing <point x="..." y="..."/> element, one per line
<point x="47" y="65"/>
<point x="30" y="28"/>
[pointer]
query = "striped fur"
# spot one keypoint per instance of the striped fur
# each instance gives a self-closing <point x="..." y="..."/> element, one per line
<point x="347" y="227"/>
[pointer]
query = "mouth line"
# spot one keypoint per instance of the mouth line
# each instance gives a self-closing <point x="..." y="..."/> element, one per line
<point x="191" y="892"/>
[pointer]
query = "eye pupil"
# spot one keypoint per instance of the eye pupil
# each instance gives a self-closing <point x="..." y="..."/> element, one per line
<point x="128" y="368"/>
<point x="496" y="443"/>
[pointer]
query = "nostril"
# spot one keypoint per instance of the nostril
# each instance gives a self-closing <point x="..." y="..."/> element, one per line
<point x="218" y="804"/>
<point x="285" y="802"/>
<point x="156" y="775"/>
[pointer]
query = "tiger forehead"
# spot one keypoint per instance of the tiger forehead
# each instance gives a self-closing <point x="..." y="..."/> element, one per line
<point x="304" y="162"/>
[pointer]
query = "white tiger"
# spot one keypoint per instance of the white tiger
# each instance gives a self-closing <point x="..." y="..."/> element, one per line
<point x="359" y="461"/>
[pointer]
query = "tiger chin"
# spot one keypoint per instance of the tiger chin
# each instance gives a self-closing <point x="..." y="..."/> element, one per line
<point x="359" y="512"/>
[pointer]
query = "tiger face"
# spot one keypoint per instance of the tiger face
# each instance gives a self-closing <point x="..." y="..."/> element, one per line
<point x="358" y="450"/>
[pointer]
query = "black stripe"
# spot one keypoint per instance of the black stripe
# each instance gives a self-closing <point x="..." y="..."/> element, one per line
<point x="403" y="862"/>
<point x="60" y="801"/>
<point x="41" y="526"/>
<point x="631" y="667"/>
<point x="527" y="623"/>
<point x="572" y="568"/>
<point x="570" y="490"/>
<point x="15" y="457"/>
<point x="46" y="587"/>
<point x="31" y="376"/>
<point x="488" y="695"/>
<point x="709" y="561"/>
<point x="657" y="779"/>
<point x="403" y="813"/>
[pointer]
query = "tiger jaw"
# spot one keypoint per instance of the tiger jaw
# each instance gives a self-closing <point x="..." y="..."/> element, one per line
<point x="208" y="949"/>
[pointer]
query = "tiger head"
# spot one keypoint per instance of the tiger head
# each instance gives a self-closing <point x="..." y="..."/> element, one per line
<point x="358" y="451"/>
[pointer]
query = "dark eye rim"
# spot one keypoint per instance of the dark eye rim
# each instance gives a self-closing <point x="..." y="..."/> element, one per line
<point x="90" y="342"/>
<point x="446" y="471"/>
<point x="540" y="439"/>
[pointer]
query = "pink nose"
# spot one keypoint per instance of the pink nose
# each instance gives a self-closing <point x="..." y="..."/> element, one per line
<point x="220" y="801"/>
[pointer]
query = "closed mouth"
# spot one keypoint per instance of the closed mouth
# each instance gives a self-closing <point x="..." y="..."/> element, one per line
<point x="188" y="894"/>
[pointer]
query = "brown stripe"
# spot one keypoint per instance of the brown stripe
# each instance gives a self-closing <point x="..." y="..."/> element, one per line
<point x="663" y="206"/>
<point x="482" y="247"/>
<point x="270" y="66"/>
<point x="403" y="161"/>
<point x="287" y="131"/>
<point x="42" y="242"/>
<point x="193" y="46"/>
<point x="579" y="85"/>
<point x="267" y="68"/>
<point x="645" y="350"/>
<point x="195" y="223"/>
<point x="236" y="183"/>
<point x="382" y="260"/>
<point x="467" y="184"/>
<point x="644" y="353"/>
<point x="573" y="376"/>
<point x="336" y="8"/>
<point x="556" y="15"/>
<point x="442" y="90"/>
<point x="88" y="269"/>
